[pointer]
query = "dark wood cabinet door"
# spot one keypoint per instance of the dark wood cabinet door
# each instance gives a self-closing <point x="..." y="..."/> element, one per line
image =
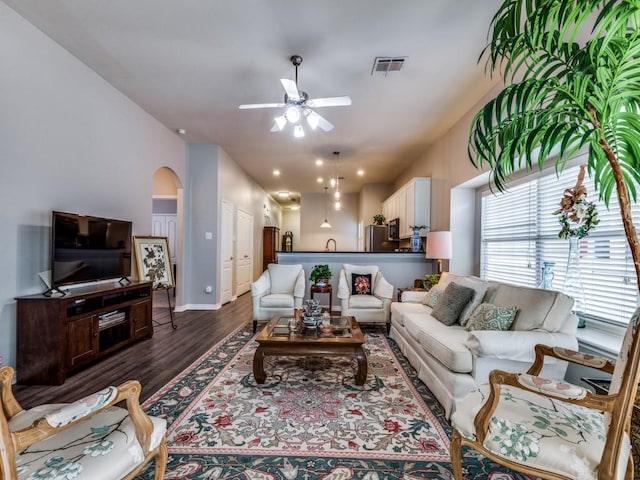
<point x="82" y="340"/>
<point x="141" y="320"/>
<point x="270" y="245"/>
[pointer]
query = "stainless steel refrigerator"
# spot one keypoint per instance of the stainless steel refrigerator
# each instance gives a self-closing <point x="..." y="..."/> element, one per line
<point x="376" y="239"/>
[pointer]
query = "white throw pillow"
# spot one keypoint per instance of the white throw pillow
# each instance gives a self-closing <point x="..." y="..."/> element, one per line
<point x="479" y="287"/>
<point x="283" y="277"/>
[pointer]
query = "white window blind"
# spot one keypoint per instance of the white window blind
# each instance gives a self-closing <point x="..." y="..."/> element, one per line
<point x="519" y="232"/>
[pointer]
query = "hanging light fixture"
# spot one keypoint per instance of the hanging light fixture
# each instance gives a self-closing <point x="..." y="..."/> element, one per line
<point x="325" y="224"/>
<point x="336" y="194"/>
<point x="298" y="131"/>
<point x="298" y="106"/>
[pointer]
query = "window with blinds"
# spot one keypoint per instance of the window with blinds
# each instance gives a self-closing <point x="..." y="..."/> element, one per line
<point x="519" y="232"/>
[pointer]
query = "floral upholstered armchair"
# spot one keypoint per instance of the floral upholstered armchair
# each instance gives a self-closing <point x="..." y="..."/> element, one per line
<point x="89" y="439"/>
<point x="550" y="429"/>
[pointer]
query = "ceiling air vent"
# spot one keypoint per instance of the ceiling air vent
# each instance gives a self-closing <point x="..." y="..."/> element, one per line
<point x="386" y="65"/>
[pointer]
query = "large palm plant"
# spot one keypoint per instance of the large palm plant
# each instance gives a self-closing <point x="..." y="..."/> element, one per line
<point x="572" y="70"/>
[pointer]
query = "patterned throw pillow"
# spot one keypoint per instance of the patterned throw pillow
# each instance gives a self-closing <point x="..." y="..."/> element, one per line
<point x="361" y="284"/>
<point x="432" y="297"/>
<point x="488" y="316"/>
<point x="452" y="302"/>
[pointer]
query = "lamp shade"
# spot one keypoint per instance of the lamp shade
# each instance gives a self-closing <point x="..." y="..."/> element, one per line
<point x="438" y="245"/>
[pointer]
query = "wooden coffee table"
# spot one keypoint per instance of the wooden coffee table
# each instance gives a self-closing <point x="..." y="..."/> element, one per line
<point x="346" y="339"/>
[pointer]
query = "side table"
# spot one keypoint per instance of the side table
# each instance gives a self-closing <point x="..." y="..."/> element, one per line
<point x="409" y="289"/>
<point x="326" y="289"/>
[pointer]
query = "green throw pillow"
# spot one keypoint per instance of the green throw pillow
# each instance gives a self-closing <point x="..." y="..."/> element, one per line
<point x="488" y="316"/>
<point x="432" y="297"/>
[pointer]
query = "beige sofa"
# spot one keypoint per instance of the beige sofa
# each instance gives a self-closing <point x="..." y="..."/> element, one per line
<point x="452" y="361"/>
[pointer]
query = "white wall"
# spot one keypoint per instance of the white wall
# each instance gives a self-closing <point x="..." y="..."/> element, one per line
<point x="372" y="196"/>
<point x="343" y="223"/>
<point x="68" y="141"/>
<point x="291" y="222"/>
<point x="447" y="162"/>
<point x="245" y="193"/>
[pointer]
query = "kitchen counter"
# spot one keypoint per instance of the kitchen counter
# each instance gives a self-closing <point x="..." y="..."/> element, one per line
<point x="400" y="269"/>
<point x="350" y="252"/>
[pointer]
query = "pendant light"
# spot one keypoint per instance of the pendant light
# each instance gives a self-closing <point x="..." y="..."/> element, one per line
<point x="337" y="205"/>
<point x="325" y="224"/>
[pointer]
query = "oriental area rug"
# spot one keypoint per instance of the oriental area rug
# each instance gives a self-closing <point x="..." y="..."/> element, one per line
<point x="307" y="421"/>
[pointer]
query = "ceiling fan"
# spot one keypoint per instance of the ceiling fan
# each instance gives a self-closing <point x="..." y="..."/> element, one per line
<point x="298" y="105"/>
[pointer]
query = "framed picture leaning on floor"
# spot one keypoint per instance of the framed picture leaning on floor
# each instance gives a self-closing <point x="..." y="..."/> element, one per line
<point x="153" y="261"/>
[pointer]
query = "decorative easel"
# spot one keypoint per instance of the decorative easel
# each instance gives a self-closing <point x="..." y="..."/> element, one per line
<point x="154" y="263"/>
<point x="166" y="288"/>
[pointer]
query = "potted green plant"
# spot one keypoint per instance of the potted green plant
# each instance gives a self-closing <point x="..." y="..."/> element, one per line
<point x="570" y="70"/>
<point x="379" y="219"/>
<point x="429" y="280"/>
<point x="320" y="275"/>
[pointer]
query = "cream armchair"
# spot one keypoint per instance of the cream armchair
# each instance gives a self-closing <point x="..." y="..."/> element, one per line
<point x="277" y="291"/>
<point x="552" y="429"/>
<point x="369" y="304"/>
<point x="89" y="439"/>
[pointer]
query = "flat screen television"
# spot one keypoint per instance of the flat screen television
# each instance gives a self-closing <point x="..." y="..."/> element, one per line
<point x="85" y="248"/>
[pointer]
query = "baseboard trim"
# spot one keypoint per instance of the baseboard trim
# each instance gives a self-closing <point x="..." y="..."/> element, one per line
<point x="197" y="306"/>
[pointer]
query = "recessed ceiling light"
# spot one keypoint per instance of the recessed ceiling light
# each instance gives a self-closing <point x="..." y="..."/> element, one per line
<point x="276" y="172"/>
<point x="360" y="172"/>
<point x="319" y="180"/>
<point x="181" y="131"/>
<point x="319" y="162"/>
<point x="283" y="194"/>
<point x="294" y="207"/>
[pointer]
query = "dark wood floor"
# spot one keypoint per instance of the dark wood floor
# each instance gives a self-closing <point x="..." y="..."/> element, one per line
<point x="153" y="362"/>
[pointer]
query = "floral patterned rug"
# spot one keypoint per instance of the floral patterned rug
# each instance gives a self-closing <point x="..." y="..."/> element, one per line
<point x="307" y="421"/>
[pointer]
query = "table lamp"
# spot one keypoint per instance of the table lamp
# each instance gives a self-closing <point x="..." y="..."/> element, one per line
<point x="438" y="247"/>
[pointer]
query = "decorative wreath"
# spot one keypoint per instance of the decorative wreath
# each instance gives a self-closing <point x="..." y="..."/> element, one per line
<point x="576" y="215"/>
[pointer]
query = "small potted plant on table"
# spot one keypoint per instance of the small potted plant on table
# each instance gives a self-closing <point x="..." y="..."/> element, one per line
<point x="320" y="275"/>
<point x="429" y="280"/>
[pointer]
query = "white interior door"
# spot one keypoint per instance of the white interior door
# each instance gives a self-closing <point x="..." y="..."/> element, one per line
<point x="166" y="225"/>
<point x="244" y="264"/>
<point x="226" y="252"/>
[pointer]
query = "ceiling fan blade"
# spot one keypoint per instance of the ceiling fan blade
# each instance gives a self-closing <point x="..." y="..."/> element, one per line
<point x="261" y="105"/>
<point x="329" y="102"/>
<point x="291" y="89"/>
<point x="315" y="120"/>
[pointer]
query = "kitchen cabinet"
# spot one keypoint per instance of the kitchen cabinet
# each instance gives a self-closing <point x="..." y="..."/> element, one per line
<point x="411" y="203"/>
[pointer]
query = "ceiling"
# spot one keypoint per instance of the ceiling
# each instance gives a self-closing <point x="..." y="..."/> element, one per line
<point x="190" y="63"/>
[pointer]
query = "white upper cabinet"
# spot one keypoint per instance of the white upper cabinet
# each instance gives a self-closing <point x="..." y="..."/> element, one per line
<point x="411" y="203"/>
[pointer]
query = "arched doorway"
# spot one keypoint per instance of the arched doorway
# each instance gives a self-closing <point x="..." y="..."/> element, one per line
<point x="167" y="214"/>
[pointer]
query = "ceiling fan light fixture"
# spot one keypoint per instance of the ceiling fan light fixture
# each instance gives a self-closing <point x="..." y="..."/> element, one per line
<point x="297" y="104"/>
<point x="281" y="121"/>
<point x="312" y="119"/>
<point x="298" y="131"/>
<point x="292" y="115"/>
